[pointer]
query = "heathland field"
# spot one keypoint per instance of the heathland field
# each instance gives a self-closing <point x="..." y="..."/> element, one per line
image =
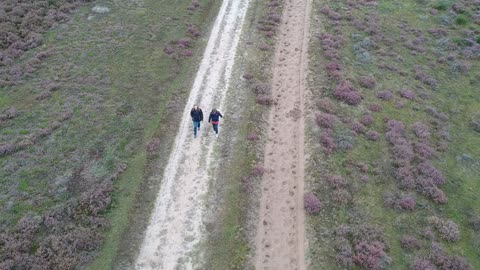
<point x="395" y="142"/>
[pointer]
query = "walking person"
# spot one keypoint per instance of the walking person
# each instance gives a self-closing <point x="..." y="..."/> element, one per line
<point x="215" y="119"/>
<point x="197" y="117"/>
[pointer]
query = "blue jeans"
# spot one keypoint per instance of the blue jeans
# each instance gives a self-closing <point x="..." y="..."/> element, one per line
<point x="215" y="128"/>
<point x="196" y="124"/>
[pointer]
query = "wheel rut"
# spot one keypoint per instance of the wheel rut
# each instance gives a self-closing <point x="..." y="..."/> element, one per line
<point x="280" y="240"/>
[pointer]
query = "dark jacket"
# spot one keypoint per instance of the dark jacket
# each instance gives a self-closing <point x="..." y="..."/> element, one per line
<point x="197" y="115"/>
<point x="215" y="116"/>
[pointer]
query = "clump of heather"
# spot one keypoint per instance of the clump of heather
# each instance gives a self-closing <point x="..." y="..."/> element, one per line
<point x="367" y="82"/>
<point x="325" y="120"/>
<point x="385" y="95"/>
<point x="333" y="70"/>
<point x="409" y="242"/>
<point x="424" y="151"/>
<point x="258" y="170"/>
<point x="366" y="119"/>
<point x="372" y="135"/>
<point x="422" y="264"/>
<point x="370" y="255"/>
<point x="407" y="202"/>
<point x="341" y="196"/>
<point x="375" y="107"/>
<point x="429" y="171"/>
<point x="252" y="137"/>
<point x="312" y="203"/>
<point x="447" y="229"/>
<point x="407" y="94"/>
<point x="326" y="105"/>
<point x="336" y="181"/>
<point x="357" y="128"/>
<point x="327" y="142"/>
<point x="345" y="92"/>
<point x="421" y="130"/>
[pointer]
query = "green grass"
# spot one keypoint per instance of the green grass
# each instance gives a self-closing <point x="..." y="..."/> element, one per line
<point x="455" y="95"/>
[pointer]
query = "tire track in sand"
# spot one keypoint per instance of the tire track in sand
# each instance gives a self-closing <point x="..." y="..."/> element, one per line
<point x="280" y="240"/>
<point x="176" y="222"/>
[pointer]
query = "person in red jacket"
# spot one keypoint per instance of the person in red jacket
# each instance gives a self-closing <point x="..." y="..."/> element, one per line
<point x="215" y="119"/>
<point x="197" y="117"/>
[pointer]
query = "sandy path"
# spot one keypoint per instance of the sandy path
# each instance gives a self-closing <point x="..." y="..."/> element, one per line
<point x="280" y="242"/>
<point x="176" y="223"/>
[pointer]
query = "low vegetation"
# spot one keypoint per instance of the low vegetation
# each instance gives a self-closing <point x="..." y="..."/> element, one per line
<point x="394" y="142"/>
<point x="85" y="118"/>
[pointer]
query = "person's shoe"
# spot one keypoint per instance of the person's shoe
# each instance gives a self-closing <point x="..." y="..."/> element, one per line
<point x="216" y="135"/>
<point x="194" y="136"/>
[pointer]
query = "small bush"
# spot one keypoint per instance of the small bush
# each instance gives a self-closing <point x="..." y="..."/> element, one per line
<point x="407" y="94"/>
<point x="326" y="105"/>
<point x="367" y="82"/>
<point x="426" y="169"/>
<point x="345" y="92"/>
<point x="312" y="203"/>
<point x="372" y="135"/>
<point x="409" y="242"/>
<point x="475" y="222"/>
<point x="447" y="229"/>
<point x="455" y="263"/>
<point x="336" y="181"/>
<point x="252" y="137"/>
<point x="357" y="128"/>
<point x="422" y="264"/>
<point x="385" y="95"/>
<point x="258" y="170"/>
<point x="264" y="99"/>
<point x="423" y="150"/>
<point x="407" y="202"/>
<point x="375" y="107"/>
<point x="325" y="120"/>
<point x="370" y="256"/>
<point x="366" y="119"/>
<point x="341" y="196"/>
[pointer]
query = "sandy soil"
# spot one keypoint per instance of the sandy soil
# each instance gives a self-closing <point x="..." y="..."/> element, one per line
<point x="176" y="223"/>
<point x="280" y="240"/>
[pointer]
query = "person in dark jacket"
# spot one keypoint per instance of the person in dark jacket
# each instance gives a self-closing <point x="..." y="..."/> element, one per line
<point x="197" y="117"/>
<point x="215" y="119"/>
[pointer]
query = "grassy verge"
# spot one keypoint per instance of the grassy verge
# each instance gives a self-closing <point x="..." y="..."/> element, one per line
<point x="393" y="46"/>
<point x="234" y="192"/>
<point x="104" y="98"/>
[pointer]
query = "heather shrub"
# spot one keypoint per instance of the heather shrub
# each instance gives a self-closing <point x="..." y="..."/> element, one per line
<point x="96" y="200"/>
<point x="475" y="222"/>
<point x="6" y="149"/>
<point x="402" y="154"/>
<point x="366" y="119"/>
<point x="357" y="128"/>
<point x="333" y="70"/>
<point x="325" y="120"/>
<point x="427" y="170"/>
<point x="264" y="47"/>
<point x="261" y="88"/>
<point x="252" y="137"/>
<point x="372" y="135"/>
<point x="258" y="170"/>
<point x="336" y="181"/>
<point x="326" y="105"/>
<point x="345" y="92"/>
<point x="312" y="203"/>
<point x="344" y="252"/>
<point x="409" y="242"/>
<point x="327" y="142"/>
<point x="407" y="94"/>
<point x="475" y="124"/>
<point x="375" y="107"/>
<point x="439" y="115"/>
<point x="264" y="99"/>
<point x="447" y="229"/>
<point x="421" y="130"/>
<point x="399" y="104"/>
<point x="423" y="150"/>
<point x="370" y="255"/>
<point x="422" y="264"/>
<point x="153" y="145"/>
<point x="341" y="196"/>
<point x="455" y="263"/>
<point x="10" y="113"/>
<point x="367" y="82"/>
<point x="407" y="202"/>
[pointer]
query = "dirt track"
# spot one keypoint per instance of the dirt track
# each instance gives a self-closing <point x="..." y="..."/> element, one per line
<point x="175" y="226"/>
<point x="280" y="242"/>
